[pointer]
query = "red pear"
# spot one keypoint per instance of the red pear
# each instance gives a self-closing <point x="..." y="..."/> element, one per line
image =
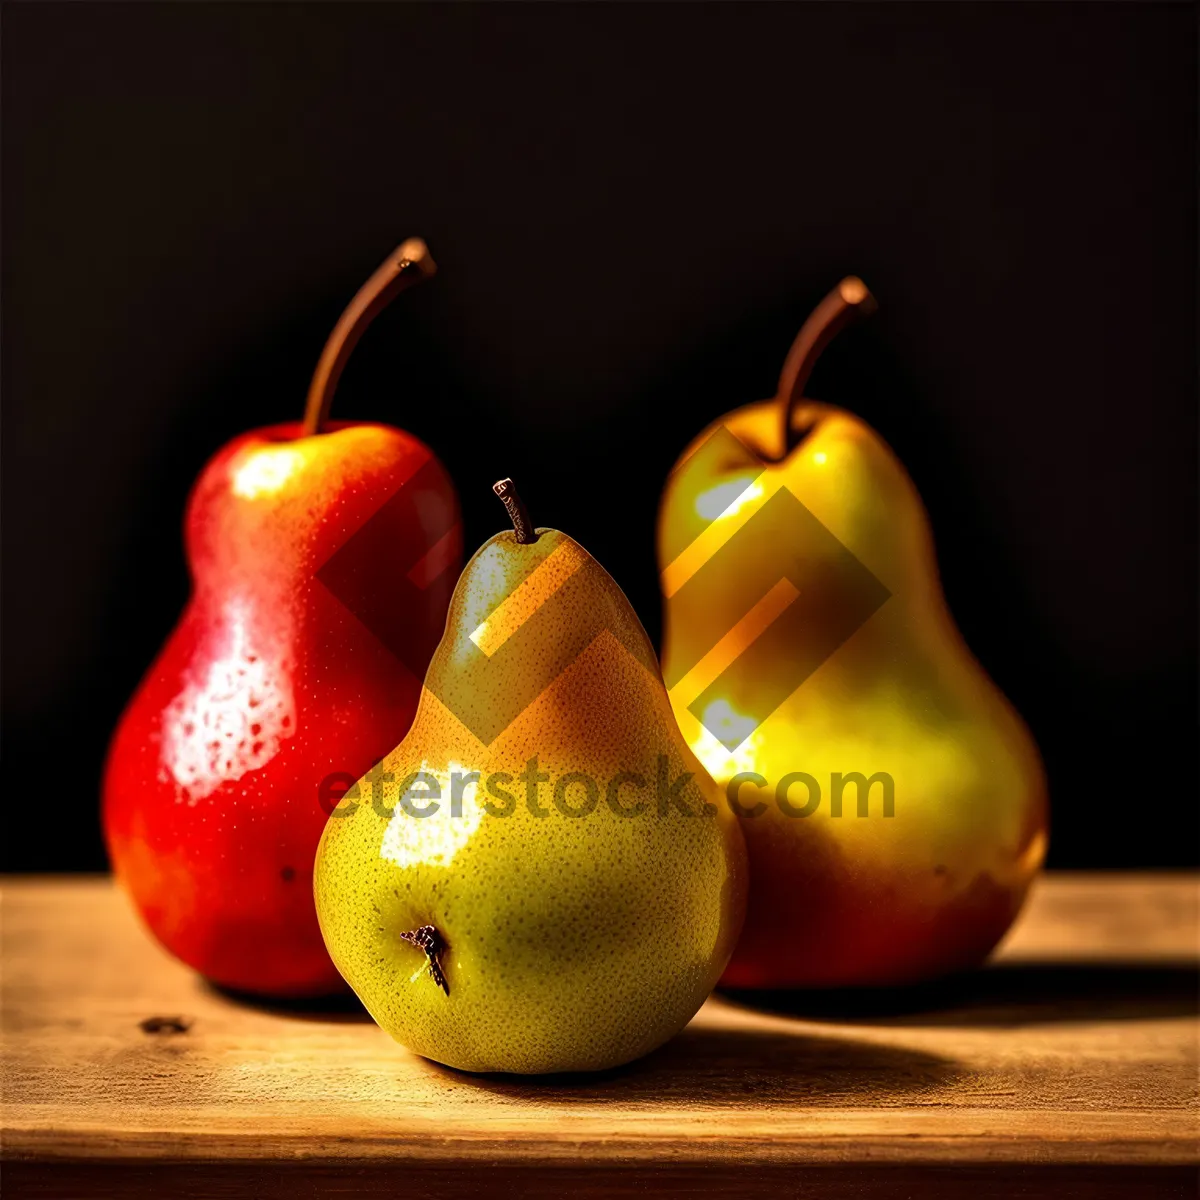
<point x="322" y="557"/>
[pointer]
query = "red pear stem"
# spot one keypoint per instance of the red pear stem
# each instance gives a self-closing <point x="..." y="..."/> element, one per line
<point x="849" y="300"/>
<point x="518" y="514"/>
<point x="409" y="263"/>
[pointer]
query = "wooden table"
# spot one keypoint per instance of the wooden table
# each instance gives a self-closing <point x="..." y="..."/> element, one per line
<point x="1067" y="1068"/>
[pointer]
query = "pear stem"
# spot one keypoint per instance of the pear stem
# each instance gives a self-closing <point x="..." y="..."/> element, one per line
<point x="428" y="939"/>
<point x="849" y="300"/>
<point x="409" y="263"/>
<point x="518" y="514"/>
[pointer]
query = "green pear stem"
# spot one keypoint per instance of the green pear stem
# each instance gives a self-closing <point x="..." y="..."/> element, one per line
<point x="848" y="301"/>
<point x="518" y="514"/>
<point x="409" y="263"/>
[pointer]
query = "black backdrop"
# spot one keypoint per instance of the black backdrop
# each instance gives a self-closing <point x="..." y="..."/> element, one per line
<point x="633" y="207"/>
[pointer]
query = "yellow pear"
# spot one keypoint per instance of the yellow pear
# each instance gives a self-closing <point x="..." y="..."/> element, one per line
<point x="893" y="803"/>
<point x="540" y="877"/>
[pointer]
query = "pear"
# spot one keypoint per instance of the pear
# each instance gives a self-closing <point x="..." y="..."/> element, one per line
<point x="894" y="803"/>
<point x="276" y="676"/>
<point x="540" y="877"/>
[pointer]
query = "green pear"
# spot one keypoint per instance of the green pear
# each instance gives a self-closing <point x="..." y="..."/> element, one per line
<point x="540" y="877"/>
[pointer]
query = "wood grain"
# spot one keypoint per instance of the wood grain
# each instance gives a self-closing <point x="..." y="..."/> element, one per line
<point x="1070" y="1063"/>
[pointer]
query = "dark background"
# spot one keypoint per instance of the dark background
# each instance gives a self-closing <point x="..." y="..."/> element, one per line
<point x="634" y="208"/>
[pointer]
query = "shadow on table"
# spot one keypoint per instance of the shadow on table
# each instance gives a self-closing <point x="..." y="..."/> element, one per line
<point x="702" y="1065"/>
<point x="336" y="1008"/>
<point x="1004" y="994"/>
<point x="737" y="1068"/>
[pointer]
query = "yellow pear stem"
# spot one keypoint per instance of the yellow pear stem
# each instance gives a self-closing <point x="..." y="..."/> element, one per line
<point x="849" y="300"/>
<point x="409" y="263"/>
<point x="518" y="514"/>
